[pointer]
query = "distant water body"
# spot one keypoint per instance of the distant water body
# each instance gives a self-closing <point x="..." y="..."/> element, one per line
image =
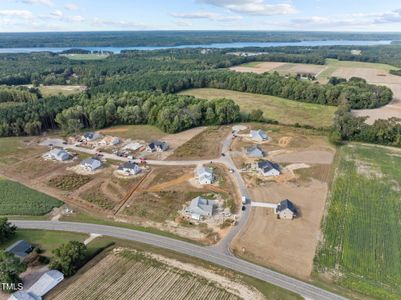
<point x="215" y="46"/>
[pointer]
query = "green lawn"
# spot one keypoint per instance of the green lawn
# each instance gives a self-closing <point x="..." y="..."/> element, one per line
<point x="282" y="110"/>
<point x="17" y="199"/>
<point x="362" y="231"/>
<point x="46" y="240"/>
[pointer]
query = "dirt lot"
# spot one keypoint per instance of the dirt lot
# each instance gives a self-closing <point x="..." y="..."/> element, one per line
<point x="288" y="246"/>
<point x="205" y="145"/>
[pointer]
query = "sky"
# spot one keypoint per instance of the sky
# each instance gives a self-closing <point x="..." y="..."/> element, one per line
<point x="289" y="15"/>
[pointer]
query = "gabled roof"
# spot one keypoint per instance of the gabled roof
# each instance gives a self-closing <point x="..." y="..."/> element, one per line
<point x="20" y="248"/>
<point x="92" y="162"/>
<point x="158" y="144"/>
<point x="266" y="166"/>
<point x="259" y="134"/>
<point x="201" y="206"/>
<point x="59" y="153"/>
<point x="129" y="165"/>
<point x="92" y="135"/>
<point x="254" y="151"/>
<point x="21" y="295"/>
<point x="286" y="204"/>
<point x="204" y="171"/>
<point x="46" y="282"/>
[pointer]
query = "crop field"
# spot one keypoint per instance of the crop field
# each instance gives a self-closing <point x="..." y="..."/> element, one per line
<point x="282" y="110"/>
<point x="133" y="275"/>
<point x="16" y="199"/>
<point x="362" y="242"/>
<point x="69" y="182"/>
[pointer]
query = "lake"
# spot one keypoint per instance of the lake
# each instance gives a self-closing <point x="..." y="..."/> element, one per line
<point x="215" y="46"/>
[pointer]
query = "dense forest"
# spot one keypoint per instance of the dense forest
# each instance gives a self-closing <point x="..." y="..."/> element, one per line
<point x="173" y="38"/>
<point x="171" y="113"/>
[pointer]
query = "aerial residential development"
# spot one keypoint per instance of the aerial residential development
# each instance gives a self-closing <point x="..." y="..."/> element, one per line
<point x="200" y="150"/>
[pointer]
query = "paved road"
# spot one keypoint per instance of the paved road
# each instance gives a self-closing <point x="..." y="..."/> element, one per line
<point x="205" y="253"/>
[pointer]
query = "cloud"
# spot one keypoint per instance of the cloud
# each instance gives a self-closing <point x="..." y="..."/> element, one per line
<point x="253" y="7"/>
<point x="41" y="2"/>
<point x="56" y="14"/>
<point x="350" y="20"/>
<point x="206" y="15"/>
<point x="71" y="6"/>
<point x="25" y="14"/>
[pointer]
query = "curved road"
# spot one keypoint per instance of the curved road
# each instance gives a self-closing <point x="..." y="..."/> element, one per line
<point x="205" y="253"/>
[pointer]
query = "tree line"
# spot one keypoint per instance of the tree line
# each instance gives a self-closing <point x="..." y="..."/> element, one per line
<point x="171" y="113"/>
<point x="347" y="127"/>
<point x="357" y="92"/>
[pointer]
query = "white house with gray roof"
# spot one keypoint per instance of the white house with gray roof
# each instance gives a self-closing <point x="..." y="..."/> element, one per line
<point x="91" y="136"/>
<point x="267" y="168"/>
<point x="200" y="208"/>
<point x="286" y="210"/>
<point x="254" y="152"/>
<point x="258" y="135"/>
<point x="91" y="164"/>
<point x="58" y="154"/>
<point x="204" y="175"/>
<point x="158" y="146"/>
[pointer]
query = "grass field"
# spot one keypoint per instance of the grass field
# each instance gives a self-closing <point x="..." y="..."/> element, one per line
<point x="54" y="90"/>
<point x="357" y="64"/>
<point x="282" y="110"/>
<point x="135" y="132"/>
<point x="362" y="231"/>
<point x="85" y="56"/>
<point x="17" y="199"/>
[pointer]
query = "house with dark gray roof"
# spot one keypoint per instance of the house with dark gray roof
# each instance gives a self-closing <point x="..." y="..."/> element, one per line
<point x="158" y="146"/>
<point x="254" y="152"/>
<point x="91" y="136"/>
<point x="267" y="168"/>
<point x="20" y="249"/>
<point x="129" y="168"/>
<point x="286" y="210"/>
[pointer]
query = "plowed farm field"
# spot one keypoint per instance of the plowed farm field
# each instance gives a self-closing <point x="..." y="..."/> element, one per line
<point x="134" y="275"/>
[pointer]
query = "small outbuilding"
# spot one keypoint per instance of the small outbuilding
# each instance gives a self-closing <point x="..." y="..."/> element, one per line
<point x="286" y="210"/>
<point x="258" y="135"/>
<point x="204" y="175"/>
<point x="254" y="152"/>
<point x="22" y="295"/>
<point x="129" y="168"/>
<point x="91" y="164"/>
<point x="158" y="146"/>
<point x="267" y="168"/>
<point x="20" y="249"/>
<point x="46" y="283"/>
<point x="110" y="141"/>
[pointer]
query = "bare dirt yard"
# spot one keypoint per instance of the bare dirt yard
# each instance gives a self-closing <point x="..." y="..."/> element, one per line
<point x="288" y="246"/>
<point x="205" y="145"/>
<point x="258" y="68"/>
<point x="129" y="274"/>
